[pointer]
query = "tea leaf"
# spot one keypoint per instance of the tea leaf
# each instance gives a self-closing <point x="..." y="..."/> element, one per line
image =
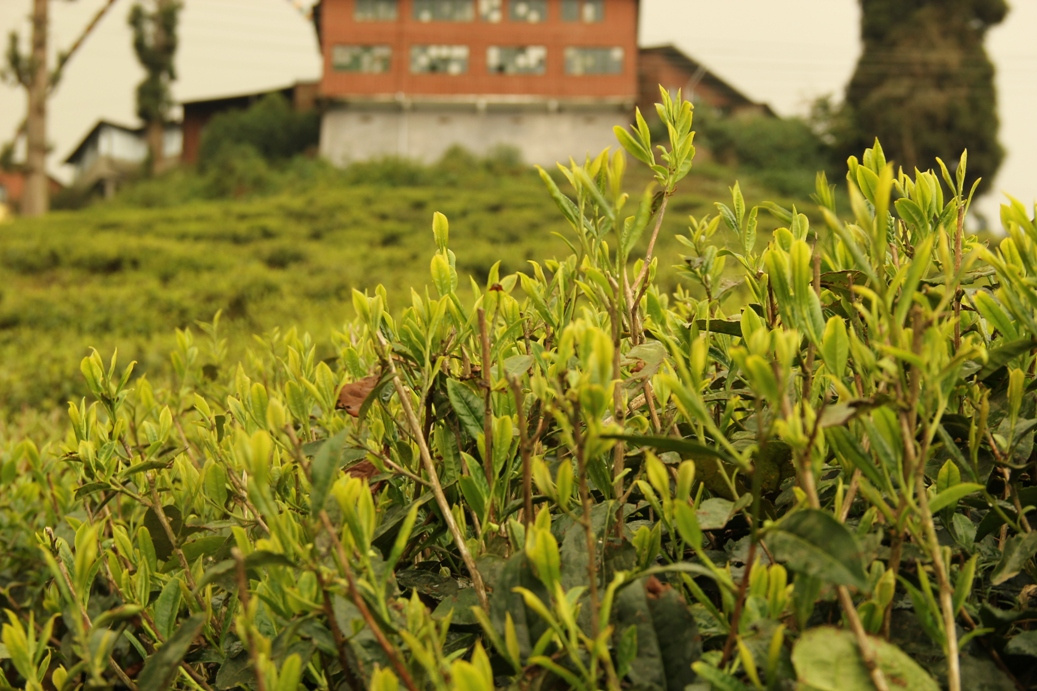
<point x="828" y="659"/>
<point x="468" y="406"/>
<point x="1019" y="549"/>
<point x="161" y="668"/>
<point x="322" y="470"/>
<point x="814" y="543"/>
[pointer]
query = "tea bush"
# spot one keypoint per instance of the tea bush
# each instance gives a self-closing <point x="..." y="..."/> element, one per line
<point x="566" y="477"/>
<point x="123" y="275"/>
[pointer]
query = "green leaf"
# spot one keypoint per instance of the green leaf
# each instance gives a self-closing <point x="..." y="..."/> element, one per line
<point x="323" y="469"/>
<point x="688" y="524"/>
<point x="828" y="659"/>
<point x="166" y="607"/>
<point x="1024" y="643"/>
<point x="1019" y="549"/>
<point x="468" y="406"/>
<point x="90" y="487"/>
<point x="666" y="642"/>
<point x="992" y="521"/>
<point x="911" y="213"/>
<point x="813" y="542"/>
<point x="633" y="146"/>
<point x="835" y="346"/>
<point x="634" y="226"/>
<point x="440" y="230"/>
<point x="714" y="513"/>
<point x="442" y="276"/>
<point x="542" y="552"/>
<point x="1002" y="355"/>
<point x="953" y="494"/>
<point x="994" y="314"/>
<point x="161" y="668"/>
<point x="566" y="205"/>
<point x="473" y="493"/>
<point x="728" y="327"/>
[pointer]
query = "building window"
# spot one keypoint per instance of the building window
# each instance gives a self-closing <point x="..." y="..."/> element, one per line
<point x="439" y="59"/>
<point x="444" y="10"/>
<point x="583" y="10"/>
<point x="374" y="10"/>
<point x="593" y="61"/>
<point x="516" y="59"/>
<point x="364" y="59"/>
<point x="490" y="10"/>
<point x="528" y="10"/>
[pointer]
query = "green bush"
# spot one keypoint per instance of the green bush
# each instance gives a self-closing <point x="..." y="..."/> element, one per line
<point x="270" y="126"/>
<point x="236" y="169"/>
<point x="564" y="477"/>
<point x="783" y="153"/>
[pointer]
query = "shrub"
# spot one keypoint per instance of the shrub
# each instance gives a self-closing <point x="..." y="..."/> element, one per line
<point x="566" y="478"/>
<point x="235" y="170"/>
<point x="783" y="153"/>
<point x="269" y="126"/>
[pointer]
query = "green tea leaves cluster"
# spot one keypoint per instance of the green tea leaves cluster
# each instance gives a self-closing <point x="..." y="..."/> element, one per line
<point x="564" y="477"/>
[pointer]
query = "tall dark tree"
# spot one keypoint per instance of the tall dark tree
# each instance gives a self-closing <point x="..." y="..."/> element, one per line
<point x="154" y="41"/>
<point x="924" y="84"/>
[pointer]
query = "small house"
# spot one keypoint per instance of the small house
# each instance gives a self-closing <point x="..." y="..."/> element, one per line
<point x="672" y="69"/>
<point x="111" y="153"/>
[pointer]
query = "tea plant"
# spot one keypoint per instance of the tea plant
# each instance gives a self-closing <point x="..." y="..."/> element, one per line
<point x="812" y="466"/>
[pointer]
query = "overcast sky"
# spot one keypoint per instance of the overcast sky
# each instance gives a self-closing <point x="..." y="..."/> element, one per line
<point x="782" y="52"/>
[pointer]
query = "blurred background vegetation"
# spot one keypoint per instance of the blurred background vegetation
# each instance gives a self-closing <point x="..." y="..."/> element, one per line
<point x="271" y="236"/>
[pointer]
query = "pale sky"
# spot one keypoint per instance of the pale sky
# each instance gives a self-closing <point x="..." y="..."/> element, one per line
<point x="782" y="52"/>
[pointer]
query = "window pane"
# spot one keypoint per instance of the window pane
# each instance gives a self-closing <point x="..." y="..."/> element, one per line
<point x="583" y="10"/>
<point x="490" y="10"/>
<point x="593" y="61"/>
<point x="528" y="10"/>
<point x="439" y="59"/>
<point x="375" y="10"/>
<point x="366" y="59"/>
<point x="444" y="10"/>
<point x="516" y="59"/>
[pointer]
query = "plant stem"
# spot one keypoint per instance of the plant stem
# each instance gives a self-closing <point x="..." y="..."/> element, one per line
<point x="641" y="283"/>
<point x="161" y="515"/>
<point x="354" y="677"/>
<point x="437" y="487"/>
<point x="588" y="527"/>
<point x="253" y="651"/>
<point x="487" y="418"/>
<point x="618" y="409"/>
<point x="354" y="594"/>
<point x="845" y="601"/>
<point x="524" y="452"/>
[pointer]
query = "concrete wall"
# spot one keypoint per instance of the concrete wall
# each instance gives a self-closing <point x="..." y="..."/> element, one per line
<point x="543" y="134"/>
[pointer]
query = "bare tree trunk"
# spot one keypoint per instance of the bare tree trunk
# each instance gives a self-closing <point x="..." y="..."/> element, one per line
<point x="156" y="134"/>
<point x="35" y="201"/>
<point x="156" y="129"/>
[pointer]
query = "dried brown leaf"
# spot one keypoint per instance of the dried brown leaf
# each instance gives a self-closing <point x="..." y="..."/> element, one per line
<point x="353" y="394"/>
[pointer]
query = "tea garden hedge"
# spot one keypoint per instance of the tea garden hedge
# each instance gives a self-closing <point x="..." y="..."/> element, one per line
<point x="809" y="467"/>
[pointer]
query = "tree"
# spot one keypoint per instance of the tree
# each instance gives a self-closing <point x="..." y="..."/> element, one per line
<point x="924" y="84"/>
<point x="30" y="71"/>
<point x="154" y="41"/>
